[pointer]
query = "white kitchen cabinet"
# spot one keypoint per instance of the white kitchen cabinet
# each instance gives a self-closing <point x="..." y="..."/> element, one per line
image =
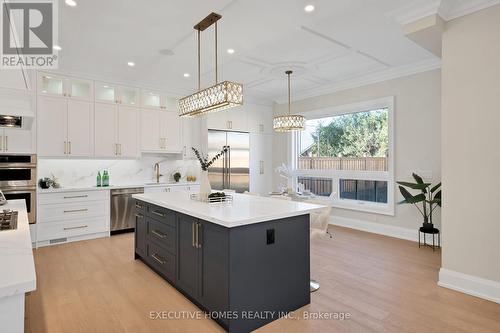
<point x="160" y="132"/>
<point x="65" y="87"/>
<point x="234" y="119"/>
<point x="260" y="120"/>
<point x="191" y="136"/>
<point x="170" y="130"/>
<point x="115" y="94"/>
<point x="128" y="132"/>
<point x="70" y="216"/>
<point x="105" y="128"/>
<point x="261" y="168"/>
<point x="116" y="131"/>
<point x="64" y="127"/>
<point x="150" y="131"/>
<point x="80" y="129"/>
<point x="16" y="141"/>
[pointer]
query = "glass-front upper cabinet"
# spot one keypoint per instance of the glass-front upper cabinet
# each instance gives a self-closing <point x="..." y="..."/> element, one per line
<point x="128" y="96"/>
<point x="49" y="84"/>
<point x="106" y="92"/>
<point x="151" y="99"/>
<point x="80" y="89"/>
<point x="64" y="86"/>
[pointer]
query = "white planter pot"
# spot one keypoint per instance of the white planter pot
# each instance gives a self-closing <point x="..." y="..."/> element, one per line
<point x="205" y="188"/>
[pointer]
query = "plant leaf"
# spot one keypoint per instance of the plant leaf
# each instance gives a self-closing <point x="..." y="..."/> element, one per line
<point x="435" y="188"/>
<point x="414" y="186"/>
<point x="417" y="178"/>
<point x="409" y="198"/>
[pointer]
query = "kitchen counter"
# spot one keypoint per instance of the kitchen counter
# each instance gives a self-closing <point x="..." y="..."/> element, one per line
<point x="17" y="269"/>
<point x="111" y="187"/>
<point x="244" y="210"/>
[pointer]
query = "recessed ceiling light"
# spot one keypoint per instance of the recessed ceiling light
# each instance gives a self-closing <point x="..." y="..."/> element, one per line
<point x="230" y="51"/>
<point x="187" y="75"/>
<point x="309" y="8"/>
<point x="57" y="48"/>
<point x="71" y="3"/>
<point x="131" y="64"/>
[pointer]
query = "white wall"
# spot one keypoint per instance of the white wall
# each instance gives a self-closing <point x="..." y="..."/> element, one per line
<point x="83" y="173"/>
<point x="417" y="137"/>
<point x="471" y="158"/>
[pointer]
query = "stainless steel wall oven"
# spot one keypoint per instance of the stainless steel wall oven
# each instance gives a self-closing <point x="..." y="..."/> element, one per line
<point x="18" y="180"/>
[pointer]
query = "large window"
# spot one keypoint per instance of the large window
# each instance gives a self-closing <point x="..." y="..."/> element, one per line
<point x="346" y="154"/>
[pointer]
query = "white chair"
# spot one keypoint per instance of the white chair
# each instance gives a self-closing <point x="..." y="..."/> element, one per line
<point x="319" y="227"/>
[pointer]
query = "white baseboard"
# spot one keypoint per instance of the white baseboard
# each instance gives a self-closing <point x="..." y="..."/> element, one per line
<point x="469" y="284"/>
<point x="376" y="228"/>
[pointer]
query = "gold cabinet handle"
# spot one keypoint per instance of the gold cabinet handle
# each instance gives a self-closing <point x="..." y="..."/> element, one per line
<point x="65" y="148"/>
<point x="159" y="234"/>
<point x="76" y="196"/>
<point x="139" y="206"/>
<point x="76" y="210"/>
<point x="193" y="235"/>
<point x="198" y="243"/>
<point x="69" y="147"/>
<point x="158" y="213"/>
<point x="79" y="227"/>
<point x="139" y="216"/>
<point x="157" y="258"/>
<point x="6" y="143"/>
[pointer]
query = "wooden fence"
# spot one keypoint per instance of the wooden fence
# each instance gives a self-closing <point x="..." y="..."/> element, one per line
<point x="343" y="163"/>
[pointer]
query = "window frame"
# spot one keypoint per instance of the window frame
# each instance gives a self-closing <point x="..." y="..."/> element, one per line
<point x="388" y="176"/>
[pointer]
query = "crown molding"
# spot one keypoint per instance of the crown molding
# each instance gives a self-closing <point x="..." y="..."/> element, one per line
<point x="452" y="9"/>
<point x="376" y="77"/>
<point x="447" y="9"/>
<point x="414" y="12"/>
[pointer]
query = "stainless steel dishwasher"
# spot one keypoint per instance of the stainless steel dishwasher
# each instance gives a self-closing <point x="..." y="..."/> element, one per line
<point x="122" y="209"/>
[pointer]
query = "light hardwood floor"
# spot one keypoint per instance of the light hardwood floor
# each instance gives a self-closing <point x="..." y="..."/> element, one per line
<point x="385" y="284"/>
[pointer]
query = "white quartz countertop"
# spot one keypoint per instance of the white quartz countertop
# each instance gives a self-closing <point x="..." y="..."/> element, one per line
<point x="17" y="267"/>
<point x="112" y="187"/>
<point x="245" y="209"/>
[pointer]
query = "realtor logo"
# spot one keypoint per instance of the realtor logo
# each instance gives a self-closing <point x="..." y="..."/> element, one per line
<point x="29" y="33"/>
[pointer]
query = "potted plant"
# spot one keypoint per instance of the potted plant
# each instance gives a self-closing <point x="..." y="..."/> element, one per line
<point x="177" y="176"/>
<point x="429" y="197"/>
<point x="205" y="163"/>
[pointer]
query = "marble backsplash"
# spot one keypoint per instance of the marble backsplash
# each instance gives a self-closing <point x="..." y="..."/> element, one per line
<point x="83" y="173"/>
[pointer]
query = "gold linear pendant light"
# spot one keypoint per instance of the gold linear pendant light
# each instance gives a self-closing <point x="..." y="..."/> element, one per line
<point x="289" y="122"/>
<point x="223" y="95"/>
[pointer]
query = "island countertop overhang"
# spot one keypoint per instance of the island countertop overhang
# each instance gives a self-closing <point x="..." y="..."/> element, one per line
<point x="244" y="210"/>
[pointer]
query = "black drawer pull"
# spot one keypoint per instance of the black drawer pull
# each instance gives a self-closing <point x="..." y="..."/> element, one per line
<point x="157" y="258"/>
<point x="158" y="213"/>
<point x="159" y="234"/>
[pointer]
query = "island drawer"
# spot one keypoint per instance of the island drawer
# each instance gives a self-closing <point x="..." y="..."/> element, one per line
<point x="162" y="260"/>
<point x="140" y="206"/>
<point x="162" y="234"/>
<point x="161" y="214"/>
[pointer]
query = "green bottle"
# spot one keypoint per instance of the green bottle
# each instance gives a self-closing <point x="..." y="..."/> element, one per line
<point x="105" y="178"/>
<point x="99" y="179"/>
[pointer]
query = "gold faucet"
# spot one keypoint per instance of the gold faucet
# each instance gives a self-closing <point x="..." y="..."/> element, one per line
<point x="157" y="172"/>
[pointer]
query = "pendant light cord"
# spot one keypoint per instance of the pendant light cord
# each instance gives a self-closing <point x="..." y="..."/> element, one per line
<point x="289" y="99"/>
<point x="199" y="61"/>
<point x="216" y="69"/>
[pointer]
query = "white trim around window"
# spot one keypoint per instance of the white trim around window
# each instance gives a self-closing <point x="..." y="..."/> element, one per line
<point x="335" y="175"/>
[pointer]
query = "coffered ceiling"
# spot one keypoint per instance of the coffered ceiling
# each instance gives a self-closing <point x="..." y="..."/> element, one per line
<point x="338" y="44"/>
